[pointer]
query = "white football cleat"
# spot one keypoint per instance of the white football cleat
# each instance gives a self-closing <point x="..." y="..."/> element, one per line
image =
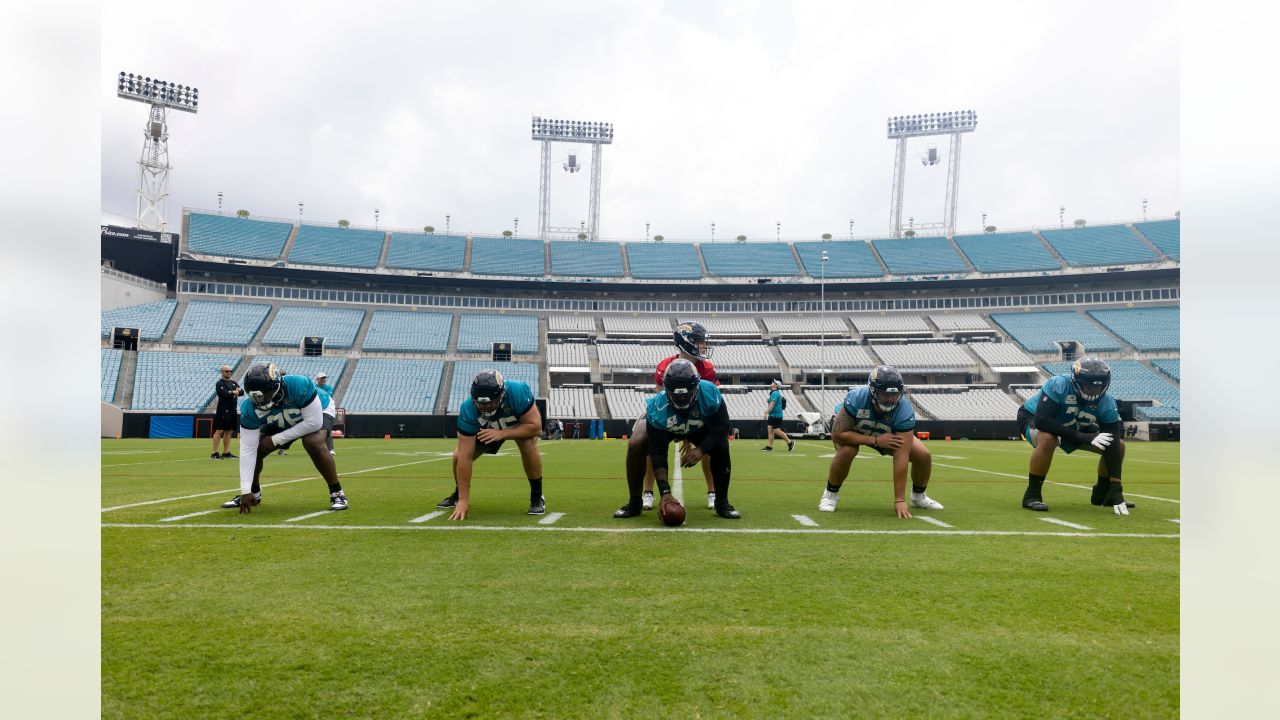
<point x="924" y="502"/>
<point x="646" y="501"/>
<point x="828" y="501"/>
<point x="711" y="500"/>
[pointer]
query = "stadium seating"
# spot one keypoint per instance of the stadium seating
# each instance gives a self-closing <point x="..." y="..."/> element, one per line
<point x="1038" y="332"/>
<point x="236" y="236"/>
<point x="109" y="365"/>
<point x="575" y="402"/>
<point x="920" y="256"/>
<point x="825" y="400"/>
<point x="338" y="326"/>
<point x="926" y="357"/>
<point x="845" y="259"/>
<point x="567" y="355"/>
<point x="638" y="325"/>
<point x="959" y="322"/>
<point x="1026" y="393"/>
<point x="464" y="371"/>
<point x="571" y="258"/>
<point x="342" y="247"/>
<point x="749" y="260"/>
<point x="151" y="319"/>
<point x="503" y="256"/>
<point x="663" y="261"/>
<point x="726" y="326"/>
<point x="891" y="324"/>
<point x="210" y="322"/>
<point x="1101" y="245"/>
<point x="1165" y="235"/>
<point x="478" y="333"/>
<point x="398" y="331"/>
<point x="621" y="355"/>
<point x="733" y="358"/>
<point x="839" y="358"/>
<point x="1006" y="252"/>
<point x="752" y="405"/>
<point x="402" y="386"/>
<point x="578" y="325"/>
<point x="1148" y="329"/>
<point x="977" y="404"/>
<point x="626" y="402"/>
<point x="417" y="251"/>
<point x="1171" y="367"/>
<point x="1131" y="380"/>
<point x="177" y="380"/>
<point x="998" y="355"/>
<point x="805" y="326"/>
<point x="306" y="366"/>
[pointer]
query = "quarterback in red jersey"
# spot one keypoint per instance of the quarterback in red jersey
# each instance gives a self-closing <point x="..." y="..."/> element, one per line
<point x="691" y="342"/>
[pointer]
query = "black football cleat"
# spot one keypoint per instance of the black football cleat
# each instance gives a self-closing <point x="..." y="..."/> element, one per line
<point x="1034" y="503"/>
<point x="791" y="445"/>
<point x="726" y="511"/>
<point x="628" y="511"/>
<point x="451" y="501"/>
<point x="1099" y="492"/>
<point x="235" y="501"/>
<point x="215" y="456"/>
<point x="538" y="507"/>
<point x="228" y="455"/>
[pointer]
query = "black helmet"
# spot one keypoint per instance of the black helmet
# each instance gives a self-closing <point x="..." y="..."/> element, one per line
<point x="885" y="380"/>
<point x="1091" y="377"/>
<point x="687" y="337"/>
<point x="680" y="383"/>
<point x="262" y="385"/>
<point x="488" y="387"/>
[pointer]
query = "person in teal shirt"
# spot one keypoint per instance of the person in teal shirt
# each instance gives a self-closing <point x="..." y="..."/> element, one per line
<point x="773" y="418"/>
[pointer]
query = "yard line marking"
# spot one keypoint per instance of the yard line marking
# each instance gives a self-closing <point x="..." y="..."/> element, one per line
<point x="1020" y="452"/>
<point x="134" y="452"/>
<point x="934" y="521"/>
<point x="156" y="462"/>
<point x="805" y="520"/>
<point x="427" y="517"/>
<point x="650" y="529"/>
<point x="550" y="518"/>
<point x="184" y="517"/>
<point x="282" y="482"/>
<point x="309" y="515"/>
<point x="1055" y="482"/>
<point x="677" y="487"/>
<point x="1056" y="521"/>
<point x="1176" y="520"/>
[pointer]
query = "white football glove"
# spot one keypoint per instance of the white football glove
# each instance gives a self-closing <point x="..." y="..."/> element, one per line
<point x="1101" y="441"/>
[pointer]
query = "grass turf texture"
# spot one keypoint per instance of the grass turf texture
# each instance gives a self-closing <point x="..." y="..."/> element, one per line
<point x="223" y="615"/>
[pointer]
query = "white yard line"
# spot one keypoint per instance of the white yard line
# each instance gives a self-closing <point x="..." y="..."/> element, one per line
<point x="1176" y="520"/>
<point x="428" y="516"/>
<point x="1064" y="523"/>
<point x="677" y="484"/>
<point x="933" y="521"/>
<point x="805" y="520"/>
<point x="189" y="515"/>
<point x="647" y="529"/>
<point x="1021" y="452"/>
<point x="1055" y="482"/>
<point x="282" y="482"/>
<point x="309" y="515"/>
<point x="160" y="462"/>
<point x="550" y="519"/>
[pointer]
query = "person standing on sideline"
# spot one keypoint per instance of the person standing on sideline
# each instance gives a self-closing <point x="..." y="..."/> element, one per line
<point x="773" y="417"/>
<point x="225" y="418"/>
<point x="330" y="412"/>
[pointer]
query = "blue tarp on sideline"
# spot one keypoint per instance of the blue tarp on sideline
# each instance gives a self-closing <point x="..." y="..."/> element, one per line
<point x="172" y="426"/>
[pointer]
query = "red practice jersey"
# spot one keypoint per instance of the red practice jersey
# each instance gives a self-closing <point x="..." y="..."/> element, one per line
<point x="705" y="369"/>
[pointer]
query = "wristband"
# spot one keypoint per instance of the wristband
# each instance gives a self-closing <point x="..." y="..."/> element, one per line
<point x="898" y="500"/>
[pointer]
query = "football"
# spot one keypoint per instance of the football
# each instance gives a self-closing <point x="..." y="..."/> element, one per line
<point x="671" y="512"/>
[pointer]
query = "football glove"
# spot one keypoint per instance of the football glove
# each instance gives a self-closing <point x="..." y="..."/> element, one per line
<point x="1101" y="440"/>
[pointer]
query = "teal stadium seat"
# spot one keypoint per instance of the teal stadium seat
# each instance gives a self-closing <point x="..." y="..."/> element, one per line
<point x="478" y="333"/>
<point x="401" y="386"/>
<point x="465" y="370"/>
<point x="1039" y="331"/>
<point x="663" y="261"/>
<point x="109" y="364"/>
<point x="398" y="331"/>
<point x="571" y="258"/>
<point x="151" y="319"/>
<point x="305" y="366"/>
<point x="1149" y="329"/>
<point x="1098" y="246"/>
<point x="1165" y="235"/>
<point x="503" y="256"/>
<point x="1171" y="367"/>
<point x="1131" y="380"/>
<point x="749" y="259"/>
<point x="342" y="247"/>
<point x="1006" y="252"/>
<point x="177" y="380"/>
<point x="920" y="256"/>
<point x="232" y="236"/>
<point x="845" y="259"/>
<point x="210" y="322"/>
<point x="338" y="326"/>
<point x="417" y="251"/>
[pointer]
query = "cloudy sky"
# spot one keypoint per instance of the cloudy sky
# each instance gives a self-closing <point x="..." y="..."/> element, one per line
<point x="742" y="112"/>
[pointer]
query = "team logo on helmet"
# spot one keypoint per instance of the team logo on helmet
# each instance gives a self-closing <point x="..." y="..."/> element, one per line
<point x="688" y="336"/>
<point x="487" y="390"/>
<point x="680" y="383"/>
<point x="263" y="385"/>
<point x="886" y="389"/>
<point x="1091" y="377"/>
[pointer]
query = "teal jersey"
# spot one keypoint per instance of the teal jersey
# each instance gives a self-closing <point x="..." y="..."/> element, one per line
<point x="869" y="422"/>
<point x="775" y="397"/>
<point x="660" y="413"/>
<point x="299" y="392"/>
<point x="516" y="401"/>
<point x="1073" y="410"/>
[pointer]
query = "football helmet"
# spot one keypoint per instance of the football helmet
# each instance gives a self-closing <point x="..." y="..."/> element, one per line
<point x="1091" y="377"/>
<point x="487" y="390"/>
<point x="886" y="389"/>
<point x="680" y="383"/>
<point x="691" y="339"/>
<point x="263" y="386"/>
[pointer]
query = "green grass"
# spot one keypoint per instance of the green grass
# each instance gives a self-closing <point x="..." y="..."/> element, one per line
<point x="223" y="615"/>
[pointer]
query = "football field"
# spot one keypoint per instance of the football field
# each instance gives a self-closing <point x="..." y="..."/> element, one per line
<point x="388" y="609"/>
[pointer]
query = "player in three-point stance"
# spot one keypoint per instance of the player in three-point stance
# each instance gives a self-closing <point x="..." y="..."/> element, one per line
<point x="688" y="408"/>
<point x="278" y="409"/>
<point x="878" y="414"/>
<point x="691" y="345"/>
<point x="497" y="410"/>
<point x="1075" y="412"/>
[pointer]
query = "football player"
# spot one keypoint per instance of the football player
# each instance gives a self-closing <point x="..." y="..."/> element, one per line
<point x="688" y="408"/>
<point x="773" y="417"/>
<point x="497" y="410"/>
<point x="278" y="409"/>
<point x="1075" y="412"/>
<point x="879" y="414"/>
<point x="691" y="345"/>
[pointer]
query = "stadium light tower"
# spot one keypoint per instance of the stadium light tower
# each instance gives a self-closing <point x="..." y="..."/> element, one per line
<point x="153" y="167"/>
<point x="595" y="134"/>
<point x="822" y="323"/>
<point x="904" y="127"/>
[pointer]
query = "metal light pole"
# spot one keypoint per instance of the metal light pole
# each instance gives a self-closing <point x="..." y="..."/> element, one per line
<point x="219" y="202"/>
<point x="822" y="323"/>
<point x="850" y="229"/>
<point x="1144" y="209"/>
<point x="446" y="223"/>
<point x="299" y="212"/>
<point x="595" y="134"/>
<point x="646" y="232"/>
<point x="904" y="127"/>
<point x="153" y="166"/>
<point x="375" y="218"/>
<point x="1062" y="216"/>
<point x="515" y="228"/>
<point x="779" y="231"/>
<point x="713" y="231"/>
